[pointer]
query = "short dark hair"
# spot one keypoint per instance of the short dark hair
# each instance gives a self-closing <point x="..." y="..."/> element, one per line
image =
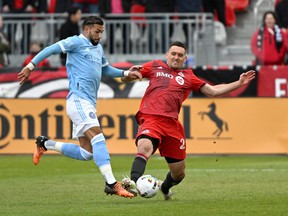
<point x="92" y="20"/>
<point x="73" y="10"/>
<point x="179" y="44"/>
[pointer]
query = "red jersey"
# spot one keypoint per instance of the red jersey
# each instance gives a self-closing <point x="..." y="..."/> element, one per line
<point x="167" y="89"/>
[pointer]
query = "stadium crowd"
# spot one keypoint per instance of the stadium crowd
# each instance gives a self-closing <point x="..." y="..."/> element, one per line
<point x="268" y="44"/>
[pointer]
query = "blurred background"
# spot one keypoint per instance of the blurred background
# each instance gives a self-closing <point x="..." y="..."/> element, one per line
<point x="224" y="38"/>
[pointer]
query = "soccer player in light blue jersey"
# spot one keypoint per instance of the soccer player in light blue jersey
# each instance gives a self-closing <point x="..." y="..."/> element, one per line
<point x="85" y="64"/>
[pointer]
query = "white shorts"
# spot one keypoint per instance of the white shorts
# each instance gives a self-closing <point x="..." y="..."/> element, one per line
<point x="83" y="115"/>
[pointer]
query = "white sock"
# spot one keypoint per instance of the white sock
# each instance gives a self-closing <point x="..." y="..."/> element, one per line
<point x="53" y="145"/>
<point x="106" y="171"/>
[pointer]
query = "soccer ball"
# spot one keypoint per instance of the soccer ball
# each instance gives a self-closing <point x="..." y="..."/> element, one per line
<point x="147" y="186"/>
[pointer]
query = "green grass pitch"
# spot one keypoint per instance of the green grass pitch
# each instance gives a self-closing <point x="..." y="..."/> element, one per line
<point x="214" y="186"/>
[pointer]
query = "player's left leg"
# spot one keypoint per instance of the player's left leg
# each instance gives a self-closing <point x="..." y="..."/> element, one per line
<point x="173" y="148"/>
<point x="173" y="177"/>
<point x="82" y="152"/>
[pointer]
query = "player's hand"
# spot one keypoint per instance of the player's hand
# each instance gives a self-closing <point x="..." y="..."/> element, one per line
<point x="134" y="75"/>
<point x="136" y="68"/>
<point x="134" y="72"/>
<point x="246" y="77"/>
<point x="24" y="75"/>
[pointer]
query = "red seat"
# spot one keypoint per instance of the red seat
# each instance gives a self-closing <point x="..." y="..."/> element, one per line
<point x="140" y="9"/>
<point x="122" y="65"/>
<point x="276" y="2"/>
<point x="238" y="5"/>
<point x="230" y="16"/>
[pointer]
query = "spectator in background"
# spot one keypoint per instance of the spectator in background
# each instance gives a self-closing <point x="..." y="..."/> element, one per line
<point x="281" y="11"/>
<point x="41" y="6"/>
<point x="59" y="6"/>
<point x="16" y="7"/>
<point x="159" y="6"/>
<point x="35" y="48"/>
<point x="188" y="6"/>
<point x="116" y="7"/>
<point x="4" y="46"/>
<point x="218" y="6"/>
<point x="87" y="6"/>
<point x="70" y="27"/>
<point x="267" y="42"/>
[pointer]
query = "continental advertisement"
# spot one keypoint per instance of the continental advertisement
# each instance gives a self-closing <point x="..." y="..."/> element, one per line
<point x="212" y="126"/>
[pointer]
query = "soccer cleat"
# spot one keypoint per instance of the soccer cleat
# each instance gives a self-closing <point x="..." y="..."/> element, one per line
<point x="117" y="189"/>
<point x="167" y="196"/>
<point x="40" y="149"/>
<point x="129" y="185"/>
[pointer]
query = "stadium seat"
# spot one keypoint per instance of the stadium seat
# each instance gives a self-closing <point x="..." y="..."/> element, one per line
<point x="238" y="5"/>
<point x="138" y="33"/>
<point x="276" y="2"/>
<point x="138" y="9"/>
<point x="122" y="65"/>
<point x="220" y="33"/>
<point x="230" y="16"/>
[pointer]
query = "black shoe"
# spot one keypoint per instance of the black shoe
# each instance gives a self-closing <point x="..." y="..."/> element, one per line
<point x="40" y="149"/>
<point x="40" y="140"/>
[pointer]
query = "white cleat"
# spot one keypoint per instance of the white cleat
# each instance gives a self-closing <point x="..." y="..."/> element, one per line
<point x="129" y="185"/>
<point x="167" y="196"/>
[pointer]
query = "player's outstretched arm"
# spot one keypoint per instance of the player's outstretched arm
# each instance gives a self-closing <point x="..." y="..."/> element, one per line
<point x="45" y="53"/>
<point x="218" y="90"/>
<point x="132" y="74"/>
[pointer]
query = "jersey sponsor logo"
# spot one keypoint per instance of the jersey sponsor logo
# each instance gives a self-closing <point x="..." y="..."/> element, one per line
<point x="162" y="74"/>
<point x="145" y="131"/>
<point x="92" y="115"/>
<point x="181" y="74"/>
<point x="179" y="80"/>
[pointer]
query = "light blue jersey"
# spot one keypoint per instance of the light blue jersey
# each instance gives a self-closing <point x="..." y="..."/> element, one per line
<point x="85" y="64"/>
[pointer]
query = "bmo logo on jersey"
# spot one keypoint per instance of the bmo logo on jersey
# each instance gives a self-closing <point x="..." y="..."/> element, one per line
<point x="162" y="74"/>
<point x="179" y="79"/>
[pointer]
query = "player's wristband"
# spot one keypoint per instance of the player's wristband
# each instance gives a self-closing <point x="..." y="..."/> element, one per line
<point x="31" y="66"/>
<point x="125" y="73"/>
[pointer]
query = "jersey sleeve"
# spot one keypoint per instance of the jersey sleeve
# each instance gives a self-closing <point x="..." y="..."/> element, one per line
<point x="196" y="83"/>
<point x="146" y="69"/>
<point x="68" y="44"/>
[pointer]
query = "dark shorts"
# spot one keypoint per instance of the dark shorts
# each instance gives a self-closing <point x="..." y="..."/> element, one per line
<point x="168" y="131"/>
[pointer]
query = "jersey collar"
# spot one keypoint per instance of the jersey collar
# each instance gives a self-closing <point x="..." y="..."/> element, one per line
<point x="82" y="36"/>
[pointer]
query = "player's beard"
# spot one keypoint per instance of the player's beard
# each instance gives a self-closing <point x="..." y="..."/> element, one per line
<point x="94" y="42"/>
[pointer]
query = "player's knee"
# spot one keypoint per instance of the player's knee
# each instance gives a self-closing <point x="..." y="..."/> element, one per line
<point x="85" y="155"/>
<point x="145" y="148"/>
<point x="179" y="176"/>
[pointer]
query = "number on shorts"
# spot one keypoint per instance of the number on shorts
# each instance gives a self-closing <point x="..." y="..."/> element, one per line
<point x="183" y="143"/>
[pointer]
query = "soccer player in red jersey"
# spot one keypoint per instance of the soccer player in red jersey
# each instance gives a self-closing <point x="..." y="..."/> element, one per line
<point x="159" y="127"/>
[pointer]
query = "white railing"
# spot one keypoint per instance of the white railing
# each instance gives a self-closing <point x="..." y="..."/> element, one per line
<point x="259" y="3"/>
<point x="127" y="36"/>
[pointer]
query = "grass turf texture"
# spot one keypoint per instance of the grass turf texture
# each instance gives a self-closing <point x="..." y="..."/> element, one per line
<point x="231" y="185"/>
